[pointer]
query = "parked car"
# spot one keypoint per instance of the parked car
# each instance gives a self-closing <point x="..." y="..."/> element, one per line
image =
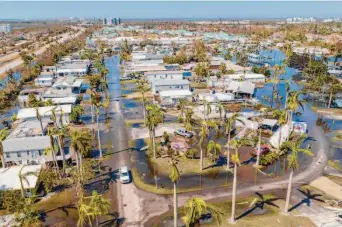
<point x="183" y="132"/>
<point x="339" y="217"/>
<point x="124" y="175"/>
<point x="264" y="149"/>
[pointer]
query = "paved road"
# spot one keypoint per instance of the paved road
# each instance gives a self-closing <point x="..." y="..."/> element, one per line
<point x="319" y="215"/>
<point x="128" y="201"/>
<point x="138" y="207"/>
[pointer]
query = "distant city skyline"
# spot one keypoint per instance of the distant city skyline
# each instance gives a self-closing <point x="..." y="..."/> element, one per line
<point x="168" y="10"/>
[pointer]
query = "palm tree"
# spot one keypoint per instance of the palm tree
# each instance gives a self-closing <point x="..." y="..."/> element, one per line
<point x="206" y="109"/>
<point x="333" y="89"/>
<point x="213" y="149"/>
<point x="154" y="116"/>
<point x="188" y="119"/>
<point x="99" y="205"/>
<point x="60" y="133"/>
<point x="3" y="135"/>
<point x="237" y="144"/>
<point x="85" y="214"/>
<point x="53" y="151"/>
<point x="221" y="109"/>
<point x="195" y="207"/>
<point x="295" y="147"/>
<point x="293" y="102"/>
<point x="142" y="88"/>
<point x="27" y="59"/>
<point x="174" y="177"/>
<point x="230" y="123"/>
<point x="23" y="177"/>
<point x="80" y="142"/>
<point x="203" y="134"/>
<point x="98" y="105"/>
<point x="39" y="118"/>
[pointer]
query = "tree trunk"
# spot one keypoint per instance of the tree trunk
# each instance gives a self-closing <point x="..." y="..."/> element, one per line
<point x="175" y="205"/>
<point x="61" y="148"/>
<point x="286" y="210"/>
<point x="232" y="218"/>
<point x="3" y="161"/>
<point x="144" y="110"/>
<point x="98" y="136"/>
<point x="77" y="160"/>
<point x="92" y="113"/>
<point x="330" y="99"/>
<point x="23" y="194"/>
<point x="228" y="150"/>
<point x="201" y="159"/>
<point x="54" y="158"/>
<point x="154" y="144"/>
<point x="259" y="148"/>
<point x="41" y="126"/>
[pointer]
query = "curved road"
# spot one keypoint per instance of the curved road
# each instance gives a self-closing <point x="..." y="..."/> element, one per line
<point x="138" y="207"/>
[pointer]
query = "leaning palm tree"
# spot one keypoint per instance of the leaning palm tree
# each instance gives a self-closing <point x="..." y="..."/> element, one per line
<point x="80" y="142"/>
<point x="154" y="116"/>
<point x="39" y="118"/>
<point x="24" y="177"/>
<point x="195" y="207"/>
<point x="3" y="135"/>
<point x="99" y="205"/>
<point x="230" y="123"/>
<point x="294" y="146"/>
<point x="174" y="177"/>
<point x="213" y="149"/>
<point x="237" y="144"/>
<point x="142" y="89"/>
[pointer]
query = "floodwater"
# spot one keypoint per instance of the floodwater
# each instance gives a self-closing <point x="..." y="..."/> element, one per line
<point x="246" y="173"/>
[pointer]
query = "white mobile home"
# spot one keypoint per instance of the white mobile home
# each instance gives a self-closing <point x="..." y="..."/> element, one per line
<point x="169" y="75"/>
<point x="46" y="112"/>
<point x="44" y="80"/>
<point x="166" y="85"/>
<point x="173" y="96"/>
<point x="9" y="178"/>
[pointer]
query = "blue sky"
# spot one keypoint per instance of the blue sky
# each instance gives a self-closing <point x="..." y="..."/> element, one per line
<point x="166" y="9"/>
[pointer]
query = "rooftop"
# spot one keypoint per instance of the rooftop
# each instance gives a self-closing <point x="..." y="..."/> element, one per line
<point x="163" y="72"/>
<point x="26" y="143"/>
<point x="170" y="82"/>
<point x="175" y="93"/>
<point x="43" y="111"/>
<point x="9" y="177"/>
<point x="27" y="129"/>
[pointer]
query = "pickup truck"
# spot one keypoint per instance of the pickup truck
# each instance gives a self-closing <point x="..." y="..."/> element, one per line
<point x="183" y="132"/>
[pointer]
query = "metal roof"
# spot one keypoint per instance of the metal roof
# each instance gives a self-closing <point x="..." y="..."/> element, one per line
<point x="26" y="143"/>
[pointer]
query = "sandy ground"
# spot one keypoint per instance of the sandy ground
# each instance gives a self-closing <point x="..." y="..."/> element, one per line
<point x="17" y="62"/>
<point x="328" y="186"/>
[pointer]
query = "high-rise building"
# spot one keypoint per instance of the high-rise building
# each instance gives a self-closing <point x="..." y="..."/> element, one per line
<point x="111" y="21"/>
<point x="6" y="28"/>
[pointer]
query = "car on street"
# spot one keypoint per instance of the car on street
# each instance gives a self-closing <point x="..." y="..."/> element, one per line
<point x="339" y="217"/>
<point x="184" y="132"/>
<point x="124" y="175"/>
